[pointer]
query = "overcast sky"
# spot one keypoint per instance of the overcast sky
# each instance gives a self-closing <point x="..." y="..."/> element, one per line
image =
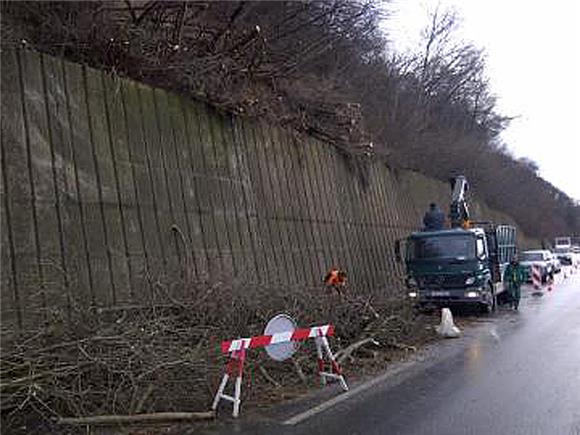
<point x="533" y="59"/>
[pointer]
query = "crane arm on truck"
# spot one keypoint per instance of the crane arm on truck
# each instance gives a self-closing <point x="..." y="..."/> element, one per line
<point x="458" y="210"/>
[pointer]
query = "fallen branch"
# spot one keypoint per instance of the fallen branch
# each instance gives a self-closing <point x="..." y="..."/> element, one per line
<point x="298" y="368"/>
<point x="268" y="377"/>
<point x="137" y="418"/>
<point x="342" y="354"/>
<point x="401" y="346"/>
<point x="144" y="398"/>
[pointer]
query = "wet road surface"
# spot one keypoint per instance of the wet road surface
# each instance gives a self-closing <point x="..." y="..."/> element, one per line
<point x="517" y="373"/>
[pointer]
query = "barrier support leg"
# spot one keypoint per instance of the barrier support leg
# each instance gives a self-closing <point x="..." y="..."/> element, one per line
<point x="320" y="356"/>
<point x="237" y="395"/>
<point x="220" y="391"/>
<point x="235" y="367"/>
<point x="336" y="370"/>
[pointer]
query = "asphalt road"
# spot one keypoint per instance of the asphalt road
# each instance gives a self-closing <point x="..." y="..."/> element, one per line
<point x="515" y="373"/>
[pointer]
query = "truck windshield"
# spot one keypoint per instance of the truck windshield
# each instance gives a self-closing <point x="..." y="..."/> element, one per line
<point x="459" y="247"/>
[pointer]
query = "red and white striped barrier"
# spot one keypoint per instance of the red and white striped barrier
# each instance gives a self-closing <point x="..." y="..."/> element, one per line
<point x="537" y="277"/>
<point x="281" y="337"/>
<point x="237" y="350"/>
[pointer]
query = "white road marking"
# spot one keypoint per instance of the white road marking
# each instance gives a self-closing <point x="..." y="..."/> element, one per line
<point x="344" y="396"/>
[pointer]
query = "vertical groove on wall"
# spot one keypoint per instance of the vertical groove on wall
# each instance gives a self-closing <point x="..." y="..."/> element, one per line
<point x="244" y="159"/>
<point x="281" y="266"/>
<point x="22" y="69"/>
<point x="279" y="215"/>
<point x="211" y="203"/>
<point x="309" y="251"/>
<point x="237" y="140"/>
<point x="340" y="207"/>
<point x="155" y="203"/>
<point x="315" y="221"/>
<point x="12" y="256"/>
<point x="319" y="150"/>
<point x="194" y="181"/>
<point x="381" y="217"/>
<point x="183" y="147"/>
<point x="58" y="204"/>
<point x="99" y="187"/>
<point x="235" y="250"/>
<point x="78" y="188"/>
<point x="229" y="144"/>
<point x="381" y="229"/>
<point x="347" y="211"/>
<point x="285" y="217"/>
<point x="305" y="217"/>
<point x="76" y="275"/>
<point x="380" y="245"/>
<point x="133" y="174"/>
<point x="293" y="220"/>
<point x="339" y="171"/>
<point x="367" y="225"/>
<point x="273" y="274"/>
<point x="162" y="146"/>
<point x="384" y="227"/>
<point x="407" y="207"/>
<point x="118" y="187"/>
<point x="213" y="137"/>
<point x="397" y="215"/>
<point x="353" y="186"/>
<point x="387" y="227"/>
<point x="236" y="180"/>
<point x="339" y="237"/>
<point x="312" y="192"/>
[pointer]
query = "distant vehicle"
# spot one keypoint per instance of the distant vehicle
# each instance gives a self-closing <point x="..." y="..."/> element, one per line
<point x="541" y="258"/>
<point x="563" y="242"/>
<point x="565" y="255"/>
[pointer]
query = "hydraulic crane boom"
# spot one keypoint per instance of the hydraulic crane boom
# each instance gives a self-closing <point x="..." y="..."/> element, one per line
<point x="458" y="210"/>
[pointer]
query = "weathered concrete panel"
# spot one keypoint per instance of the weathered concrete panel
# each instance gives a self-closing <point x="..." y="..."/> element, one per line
<point x="17" y="220"/>
<point x="130" y="248"/>
<point x="146" y="213"/>
<point x="157" y="180"/>
<point x="241" y="147"/>
<point x="46" y="199"/>
<point x="173" y="178"/>
<point x="108" y="181"/>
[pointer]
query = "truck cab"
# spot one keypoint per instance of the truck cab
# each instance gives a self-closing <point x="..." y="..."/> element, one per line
<point x="457" y="266"/>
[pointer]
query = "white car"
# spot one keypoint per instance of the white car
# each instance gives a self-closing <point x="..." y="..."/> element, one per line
<point x="541" y="258"/>
<point x="565" y="255"/>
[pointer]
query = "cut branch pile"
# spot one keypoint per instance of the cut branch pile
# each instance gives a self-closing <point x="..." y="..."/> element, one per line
<point x="165" y="358"/>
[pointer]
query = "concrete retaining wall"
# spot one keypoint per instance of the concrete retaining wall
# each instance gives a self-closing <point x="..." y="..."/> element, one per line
<point x="109" y="186"/>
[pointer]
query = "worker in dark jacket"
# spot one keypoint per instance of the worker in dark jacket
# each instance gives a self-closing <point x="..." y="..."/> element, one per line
<point x="513" y="278"/>
<point x="434" y="218"/>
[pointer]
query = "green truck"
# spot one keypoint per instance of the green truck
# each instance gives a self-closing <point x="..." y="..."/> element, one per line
<point x="461" y="265"/>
